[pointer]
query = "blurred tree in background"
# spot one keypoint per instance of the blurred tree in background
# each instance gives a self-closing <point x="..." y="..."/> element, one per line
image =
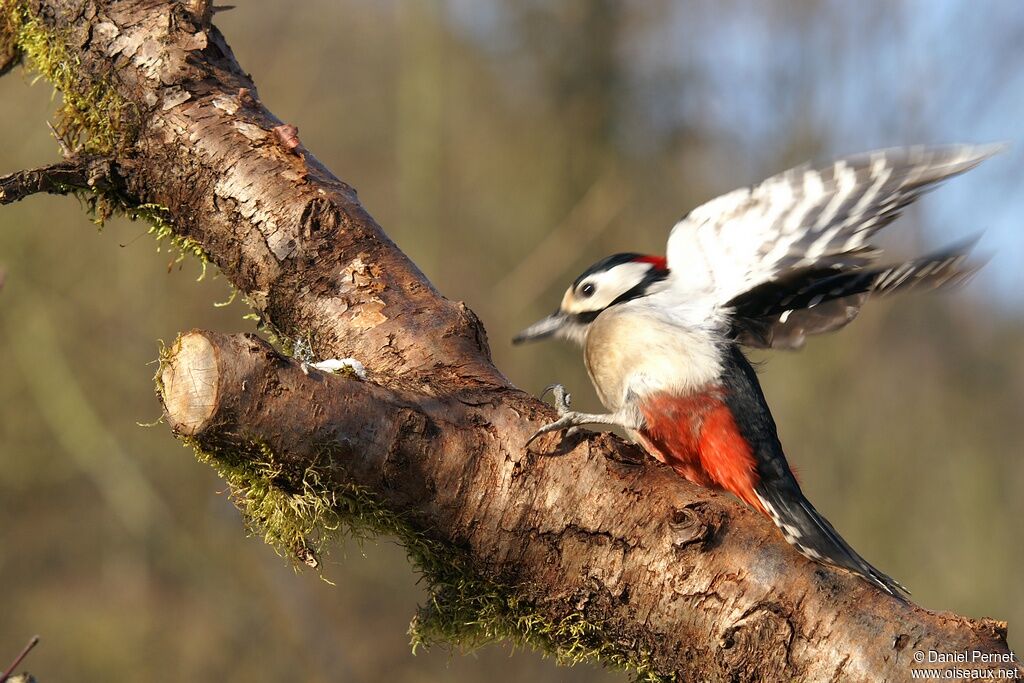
<point x="504" y="146"/>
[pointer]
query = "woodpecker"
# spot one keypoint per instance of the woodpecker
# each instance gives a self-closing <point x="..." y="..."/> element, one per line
<point x="761" y="267"/>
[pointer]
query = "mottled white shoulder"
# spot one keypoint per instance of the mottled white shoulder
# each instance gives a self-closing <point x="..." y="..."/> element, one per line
<point x="803" y="218"/>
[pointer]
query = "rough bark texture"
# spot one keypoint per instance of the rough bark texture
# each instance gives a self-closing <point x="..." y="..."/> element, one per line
<point x="696" y="585"/>
<point x="92" y="174"/>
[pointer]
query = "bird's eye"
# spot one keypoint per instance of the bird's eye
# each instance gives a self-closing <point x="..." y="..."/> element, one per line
<point x="587" y="289"/>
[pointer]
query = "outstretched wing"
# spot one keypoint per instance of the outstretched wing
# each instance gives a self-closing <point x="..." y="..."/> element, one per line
<point x="792" y="256"/>
<point x="804" y="218"/>
<point x="782" y="313"/>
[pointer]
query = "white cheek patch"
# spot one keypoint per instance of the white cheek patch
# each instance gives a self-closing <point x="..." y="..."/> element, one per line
<point x="609" y="285"/>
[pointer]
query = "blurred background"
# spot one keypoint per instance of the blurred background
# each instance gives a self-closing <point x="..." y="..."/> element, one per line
<point x="505" y="146"/>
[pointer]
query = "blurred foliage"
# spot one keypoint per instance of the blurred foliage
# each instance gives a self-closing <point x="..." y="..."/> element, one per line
<point x="504" y="146"/>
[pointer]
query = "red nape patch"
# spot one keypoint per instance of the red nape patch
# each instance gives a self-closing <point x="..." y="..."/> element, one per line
<point x="659" y="262"/>
<point x="697" y="436"/>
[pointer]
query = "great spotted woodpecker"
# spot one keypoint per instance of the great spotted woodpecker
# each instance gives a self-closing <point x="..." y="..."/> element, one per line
<point x="761" y="267"/>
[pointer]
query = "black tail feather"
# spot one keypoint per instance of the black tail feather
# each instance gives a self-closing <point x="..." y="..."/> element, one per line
<point x="778" y="490"/>
<point x="811" y="534"/>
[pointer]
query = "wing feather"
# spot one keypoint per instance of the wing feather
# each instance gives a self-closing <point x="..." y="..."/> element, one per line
<point x="782" y="313"/>
<point x="804" y="218"/>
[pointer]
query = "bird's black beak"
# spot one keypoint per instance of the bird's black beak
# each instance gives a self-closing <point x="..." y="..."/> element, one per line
<point x="542" y="328"/>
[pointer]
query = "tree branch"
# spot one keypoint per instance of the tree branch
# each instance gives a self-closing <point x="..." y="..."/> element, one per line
<point x="596" y="552"/>
<point x="93" y="174"/>
<point x="693" y="583"/>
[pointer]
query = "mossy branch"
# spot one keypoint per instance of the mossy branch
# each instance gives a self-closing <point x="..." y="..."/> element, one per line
<point x="300" y="514"/>
<point x="93" y="115"/>
<point x="299" y="507"/>
<point x="100" y="188"/>
<point x="310" y="456"/>
<point x="94" y="123"/>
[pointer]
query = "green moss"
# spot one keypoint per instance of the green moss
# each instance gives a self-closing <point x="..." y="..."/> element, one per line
<point x="299" y="514"/>
<point x="297" y="523"/>
<point x="468" y="612"/>
<point x="93" y="117"/>
<point x="231" y="297"/>
<point x="287" y="346"/>
<point x="162" y="228"/>
<point x="101" y="206"/>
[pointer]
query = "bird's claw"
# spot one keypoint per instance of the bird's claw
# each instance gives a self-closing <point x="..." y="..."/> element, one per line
<point x="562" y="401"/>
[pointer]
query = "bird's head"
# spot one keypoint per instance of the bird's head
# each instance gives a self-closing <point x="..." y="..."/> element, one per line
<point x="609" y="282"/>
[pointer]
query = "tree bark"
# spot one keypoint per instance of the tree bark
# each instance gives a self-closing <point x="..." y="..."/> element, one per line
<point x="74" y="175"/>
<point x="667" y="578"/>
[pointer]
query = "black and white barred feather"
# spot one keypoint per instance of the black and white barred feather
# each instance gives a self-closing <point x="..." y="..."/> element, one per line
<point x="781" y="314"/>
<point x="793" y="256"/>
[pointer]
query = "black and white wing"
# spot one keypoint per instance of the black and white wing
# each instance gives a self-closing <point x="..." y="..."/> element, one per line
<point x="783" y="313"/>
<point x="789" y="238"/>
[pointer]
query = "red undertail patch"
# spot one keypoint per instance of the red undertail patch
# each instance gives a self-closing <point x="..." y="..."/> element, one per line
<point x="697" y="436"/>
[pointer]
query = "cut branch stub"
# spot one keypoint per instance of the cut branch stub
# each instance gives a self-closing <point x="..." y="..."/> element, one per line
<point x="190" y="379"/>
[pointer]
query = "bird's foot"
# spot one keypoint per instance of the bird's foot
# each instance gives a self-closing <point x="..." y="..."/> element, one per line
<point x="563" y="399"/>
<point x="567" y="419"/>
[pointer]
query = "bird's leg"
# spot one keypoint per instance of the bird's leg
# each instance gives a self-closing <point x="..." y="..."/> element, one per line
<point x="569" y="419"/>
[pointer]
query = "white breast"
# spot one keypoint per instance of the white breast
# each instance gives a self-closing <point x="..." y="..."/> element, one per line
<point x="639" y="348"/>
